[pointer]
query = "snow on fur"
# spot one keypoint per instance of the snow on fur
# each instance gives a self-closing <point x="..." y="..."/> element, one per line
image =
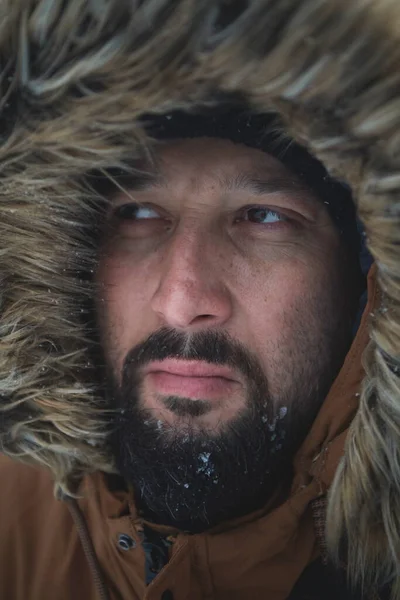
<point x="74" y="78"/>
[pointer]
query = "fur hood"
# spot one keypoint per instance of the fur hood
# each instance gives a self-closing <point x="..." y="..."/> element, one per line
<point x="75" y="77"/>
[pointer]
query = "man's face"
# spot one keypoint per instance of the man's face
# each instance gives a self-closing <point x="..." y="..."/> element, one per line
<point x="223" y="313"/>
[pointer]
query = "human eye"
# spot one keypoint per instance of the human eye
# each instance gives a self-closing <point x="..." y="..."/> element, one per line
<point x="262" y="215"/>
<point x="135" y="212"/>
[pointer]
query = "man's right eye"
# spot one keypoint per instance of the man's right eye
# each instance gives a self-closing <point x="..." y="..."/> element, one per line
<point x="135" y="212"/>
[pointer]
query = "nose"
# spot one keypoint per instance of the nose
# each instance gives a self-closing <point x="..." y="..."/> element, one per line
<point x="191" y="293"/>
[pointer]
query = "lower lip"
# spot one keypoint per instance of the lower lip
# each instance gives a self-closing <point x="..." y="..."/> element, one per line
<point x="196" y="388"/>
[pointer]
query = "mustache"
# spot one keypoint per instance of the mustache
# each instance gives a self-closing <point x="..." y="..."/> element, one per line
<point x="212" y="346"/>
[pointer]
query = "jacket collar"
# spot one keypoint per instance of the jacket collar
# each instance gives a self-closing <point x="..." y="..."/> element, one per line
<point x="281" y="537"/>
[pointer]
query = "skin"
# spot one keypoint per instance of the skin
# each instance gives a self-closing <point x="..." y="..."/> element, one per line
<point x="196" y="259"/>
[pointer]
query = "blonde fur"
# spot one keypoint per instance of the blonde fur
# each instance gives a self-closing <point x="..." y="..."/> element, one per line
<point x="74" y="78"/>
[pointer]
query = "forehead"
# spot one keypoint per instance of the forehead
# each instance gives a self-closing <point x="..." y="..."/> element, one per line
<point x="215" y="167"/>
<point x="188" y="166"/>
<point x="213" y="160"/>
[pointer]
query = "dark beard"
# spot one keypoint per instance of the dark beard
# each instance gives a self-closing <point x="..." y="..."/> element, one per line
<point x="192" y="479"/>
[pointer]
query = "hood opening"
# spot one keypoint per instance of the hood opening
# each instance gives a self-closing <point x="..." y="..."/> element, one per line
<point x="73" y="99"/>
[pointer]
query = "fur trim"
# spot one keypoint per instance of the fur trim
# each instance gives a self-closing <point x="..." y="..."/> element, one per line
<point x="75" y="76"/>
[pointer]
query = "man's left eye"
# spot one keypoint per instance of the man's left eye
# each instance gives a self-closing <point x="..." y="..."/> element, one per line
<point x="135" y="212"/>
<point x="262" y="215"/>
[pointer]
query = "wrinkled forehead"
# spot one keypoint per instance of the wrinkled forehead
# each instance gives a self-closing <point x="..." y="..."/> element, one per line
<point x="216" y="162"/>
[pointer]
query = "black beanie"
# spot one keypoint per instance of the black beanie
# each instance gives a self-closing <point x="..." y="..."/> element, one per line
<point x="266" y="133"/>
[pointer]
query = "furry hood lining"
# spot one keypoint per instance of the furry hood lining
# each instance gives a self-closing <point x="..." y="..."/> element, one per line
<point x="75" y="78"/>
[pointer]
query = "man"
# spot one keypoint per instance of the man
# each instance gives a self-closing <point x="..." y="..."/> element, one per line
<point x="227" y="290"/>
<point x="227" y="297"/>
<point x="183" y="325"/>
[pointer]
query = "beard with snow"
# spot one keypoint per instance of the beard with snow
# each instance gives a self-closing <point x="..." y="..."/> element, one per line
<point x="195" y="479"/>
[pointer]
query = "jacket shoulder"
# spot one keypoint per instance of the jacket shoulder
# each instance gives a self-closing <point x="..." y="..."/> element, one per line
<point x="18" y="479"/>
<point x="25" y="491"/>
<point x="39" y="546"/>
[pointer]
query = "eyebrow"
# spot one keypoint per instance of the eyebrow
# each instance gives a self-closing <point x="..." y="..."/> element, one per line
<point x="141" y="181"/>
<point x="260" y="186"/>
<point x="113" y="181"/>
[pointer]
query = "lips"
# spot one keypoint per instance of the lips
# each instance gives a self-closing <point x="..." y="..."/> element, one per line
<point x="190" y="379"/>
<point x="191" y="368"/>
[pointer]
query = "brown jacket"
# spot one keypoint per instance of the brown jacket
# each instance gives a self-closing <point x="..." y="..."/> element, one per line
<point x="76" y="76"/>
<point x="259" y="557"/>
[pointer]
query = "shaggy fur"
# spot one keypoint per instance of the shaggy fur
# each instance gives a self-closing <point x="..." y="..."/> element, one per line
<point x="75" y="75"/>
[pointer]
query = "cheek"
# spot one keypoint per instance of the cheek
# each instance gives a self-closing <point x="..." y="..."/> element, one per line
<point x="286" y="311"/>
<point x="270" y="301"/>
<point x="123" y="306"/>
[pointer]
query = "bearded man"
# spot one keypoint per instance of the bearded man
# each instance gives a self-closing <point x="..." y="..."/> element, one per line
<point x="187" y="358"/>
